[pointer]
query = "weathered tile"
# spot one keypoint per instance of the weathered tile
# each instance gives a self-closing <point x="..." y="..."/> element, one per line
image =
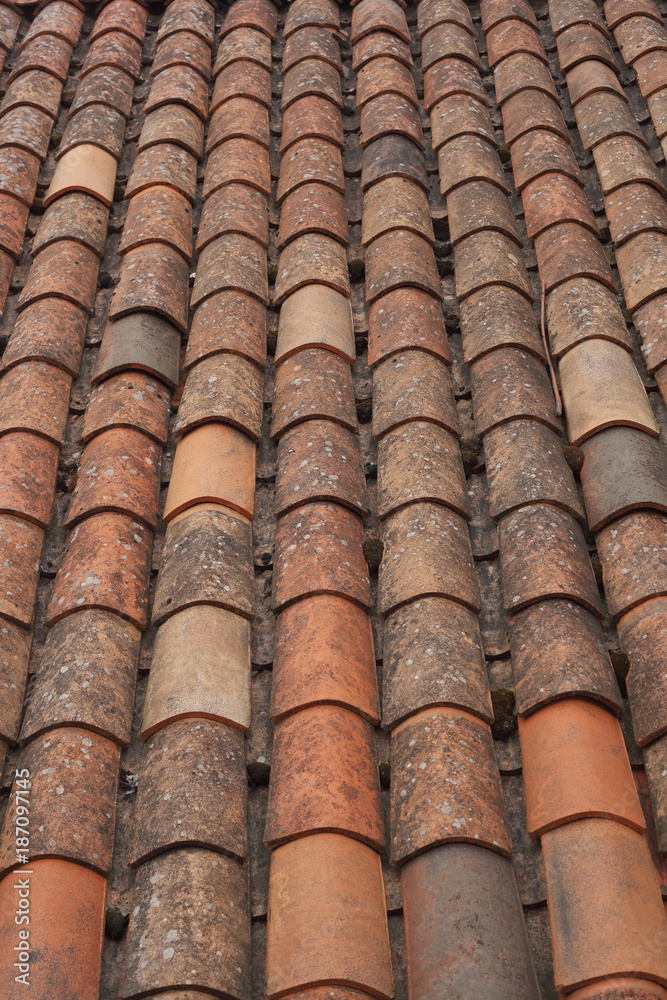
<point x="313" y="383"/>
<point x="581" y="309"/>
<point x="188" y="15"/>
<point x="382" y="76"/>
<point x="28" y="129"/>
<point x="35" y="397"/>
<point x="66" y="269"/>
<point x="568" y="250"/>
<point x="406" y="318"/>
<point x="9" y="25"/>
<point x="262" y="16"/>
<point x="599" y="926"/>
<point x="318" y="551"/>
<point x="456" y="796"/>
<point x="153" y="277"/>
<point x="179" y="85"/>
<point x="206" y="559"/>
<point x="651" y="70"/>
<point x="400" y="259"/>
<point x="190" y="772"/>
<point x="460" y="115"/>
<point x="324" y="776"/>
<point x="304" y="670"/>
<point x="540" y="152"/>
<point x="498" y="316"/>
<point x="448" y="40"/>
<point x="426" y="553"/>
<point x="310" y="160"/>
<point x="14" y="219"/>
<point x="326" y="897"/>
<point x="462" y="902"/>
<point x="452" y="76"/>
<point x="632" y="553"/>
<point x="214" y="463"/>
<point x="380" y="43"/>
<point x="213" y="392"/>
<point x="442" y="11"/>
<point x="36" y="89"/>
<point x="315" y="316"/>
<point x="309" y="13"/>
<point x="311" y="117"/>
<point x="469" y="158"/>
<point x="648" y="321"/>
<point x="522" y="72"/>
<point x="73" y="788"/>
<point x="106" y="565"/>
<point x="641" y="268"/>
<point x="239" y="118"/>
<point x="378" y="15"/>
<point x="581" y="42"/>
<point x="623" y="161"/>
<point x="115" y="48"/>
<point x="75" y="216"/>
<point x="642" y="633"/>
<point x="193" y="905"/>
<point x="237" y="161"/>
<point x="141" y="341"/>
<point x="602" y="388"/>
<point x="109" y="86"/>
<point x="412" y="385"/>
<point x="637" y="36"/>
<point x="592" y="77"/>
<point x="617" y="11"/>
<point x="228" y="321"/>
<point x="185" y="48"/>
<point x="313" y="208"/>
<point x="158" y="215"/>
<point x="87" y="169"/>
<point x="530" y="110"/>
<point x="392" y="156"/>
<point x="176" y="124"/>
<point x="418" y="462"/>
<point x="16" y="642"/>
<point x="553" y="199"/>
<point x="311" y="259"/>
<point x="92" y="126"/>
<point x="543" y="554"/>
<point x="559" y="651"/>
<point x="495" y="11"/>
<point x="62" y="20"/>
<point x="21" y="547"/>
<point x="121" y="15"/>
<point x="47" y="52"/>
<point x="85" y="677"/>
<point x="511" y="36"/>
<point x="319" y="461"/>
<point x="624" y="469"/>
<point x="242" y="79"/>
<point x="128" y="399"/>
<point x="28" y="466"/>
<point x="606" y="116"/>
<point x="19" y="170"/>
<point x="219" y="687"/>
<point x="489" y="258"/>
<point x="312" y="77"/>
<point x="395" y="203"/>
<point x="477" y="207"/>
<point x="658" y="110"/>
<point x="164" y="163"/>
<point x="243" y="44"/>
<point x="655" y="760"/>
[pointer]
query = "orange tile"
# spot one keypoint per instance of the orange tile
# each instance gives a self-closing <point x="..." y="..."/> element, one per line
<point x="213" y="463"/>
<point x="15" y="642"/>
<point x="21" y="547"/>
<point x="85" y="168"/>
<point x="28" y="467"/>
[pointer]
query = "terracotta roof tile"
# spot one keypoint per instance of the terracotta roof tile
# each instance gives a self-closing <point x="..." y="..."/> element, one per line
<point x="382" y="76"/>
<point x="568" y="250"/>
<point x="617" y="11"/>
<point x="86" y="168"/>
<point x="304" y="672"/>
<point x="239" y="118"/>
<point x="21" y="546"/>
<point x="469" y="158"/>
<point x="158" y="215"/>
<point x="452" y="76"/>
<point x="314" y="42"/>
<point x="313" y="208"/>
<point x="583" y="309"/>
<point x="651" y="70"/>
<point x="16" y="642"/>
<point x="552" y="199"/>
<point x="390" y="114"/>
<point x="559" y="651"/>
<point x="70" y="688"/>
<point x="326" y="898"/>
<point x="380" y="43"/>
<point x="392" y="156"/>
<point x="228" y="321"/>
<point x="309" y="13"/>
<point x="114" y="48"/>
<point x="153" y="276"/>
<point x="512" y="36"/>
<point x="109" y="86"/>
<point x="121" y="15"/>
<point x="400" y="259"/>
<point x="35" y="397"/>
<point x="522" y="72"/>
<point x="14" y="218"/>
<point x="188" y="15"/>
<point x="47" y="52"/>
<point x="311" y="259"/>
<point x="606" y="116"/>
<point x="489" y="258"/>
<point x="36" y="89"/>
<point x="141" y="341"/>
<point x="163" y="163"/>
<point x="19" y="170"/>
<point x="406" y="318"/>
<point x="637" y="36"/>
<point x="231" y="262"/>
<point x="319" y="461"/>
<point x="315" y="316"/>
<point x="420" y="462"/>
<point x="655" y="760"/>
<point x="530" y="110"/>
<point x="311" y="117"/>
<point x="479" y="206"/>
<point x="434" y="12"/>
<point x="66" y="269"/>
<point x="413" y="385"/>
<point x="211" y="393"/>
<point x="250" y="13"/>
<point x="28" y="129"/>
<point x="460" y="115"/>
<point x="540" y="152"/>
<point x="378" y="15"/>
<point x="312" y="77"/>
<point x="624" y="469"/>
<point x="508" y="383"/>
<point x="498" y="316"/>
<point x="581" y="42"/>
<point x="237" y="161"/>
<point x="313" y="383"/>
<point x="176" y="124"/>
<point x="91" y="126"/>
<point x="242" y="79"/>
<point x="128" y="399"/>
<point x="28" y="467"/>
<point x="74" y="216"/>
<point x="50" y="329"/>
<point x="182" y="49"/>
<point x="220" y="687"/>
<point x="446" y="41"/>
<point x="631" y="542"/>
<point x="495" y="11"/>
<point x="642" y="634"/>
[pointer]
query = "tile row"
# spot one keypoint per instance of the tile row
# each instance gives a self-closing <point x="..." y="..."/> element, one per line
<point x="561" y="736"/>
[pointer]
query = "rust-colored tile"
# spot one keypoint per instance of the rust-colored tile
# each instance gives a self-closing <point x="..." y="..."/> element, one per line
<point x="377" y="44"/>
<point x="315" y="316"/>
<point x="86" y="677"/>
<point x="461" y="115"/>
<point x="21" y="547"/>
<point x="623" y="161"/>
<point x="495" y="11"/>
<point x="115" y="48"/>
<point x="489" y="259"/>
<point x="224" y="387"/>
<point x="479" y="206"/>
<point x="577" y="12"/>
<point x="543" y="554"/>
<point x="228" y="321"/>
<point x="400" y="259"/>
<point x="658" y="110"/>
<point x="243" y="44"/>
<point x="63" y="20"/>
<point x="512" y="36"/>
<point x="575" y="766"/>
<point x="179" y="85"/>
<point x="214" y="463"/>
<point x="34" y="88"/>
<point x="45" y="52"/>
<point x="426" y="553"/>
<point x="309" y="13"/>
<point x="35" y="397"/>
<point x="581" y="42"/>
<point x="602" y="388"/>
<point x="624" y="470"/>
<point x="119" y="471"/>
<point x="559" y="651"/>
<point x="392" y="156"/>
<point x="456" y="796"/>
<point x="524" y="465"/>
<point x="328" y="917"/>
<point x="67" y="914"/>
<point x="97" y="126"/>
<point x="382" y="76"/>
<point x="319" y="461"/>
<point x="581" y="309"/>
<point x="188" y="15"/>
<point x="153" y="277"/>
<point x="9" y="25"/>
<point x="65" y="269"/>
<point x="420" y="461"/>
<point x="324" y="778"/>
<point x="440" y="12"/>
<point x="73" y="789"/>
<point x="530" y="110"/>
<point x="464" y="925"/>
<point x="176" y="124"/>
<point x="433" y="657"/>
<point x="16" y="642"/>
<point x="313" y="383"/>
<point x="637" y="36"/>
<point x="592" y="77"/>
<point x="395" y="203"/>
<point x="311" y="117"/>
<point x="192" y="791"/>
<point x="617" y="11"/>
<point x="85" y="168"/>
<point x="158" y="215"/>
<point x="632" y="552"/>
<point x="206" y="559"/>
<point x="412" y="385"/>
<point x="190" y="926"/>
<point x="378" y="15"/>
<point x="522" y="72"/>
<point x="28" y="467"/>
<point x="231" y="262"/>
<point x="311" y="259"/>
<point x="239" y="118"/>
<point x="312" y="77"/>
<point x="318" y="551"/>
<point x="606" y="116"/>
<point x="242" y="79"/>
<point x="469" y="158"/>
<point x="121" y="15"/>
<point x="648" y="321"/>
<point x="403" y="319"/>
<point x="568" y="250"/>
<point x="19" y="170"/>
<point x="167" y="164"/>
<point x="107" y="85"/>
<point x="182" y="49"/>
<point x="451" y="76"/>
<point x="600" y="925"/>
<point x="28" y="129"/>
<point x="75" y="216"/>
<point x="540" y="152"/>
<point x="311" y="43"/>
<point x="313" y="208"/>
<point x="495" y="317"/>
<point x="237" y="161"/>
<point x="553" y="199"/>
<point x="651" y="70"/>
<point x="106" y="565"/>
<point x="642" y="633"/>
<point x="307" y="161"/>
<point x="219" y="687"/>
<point x="131" y="399"/>
<point x="324" y="655"/>
<point x="262" y="15"/>
<point x="14" y="218"/>
<point x="641" y="268"/>
<point x="141" y="341"/>
<point x="446" y="41"/>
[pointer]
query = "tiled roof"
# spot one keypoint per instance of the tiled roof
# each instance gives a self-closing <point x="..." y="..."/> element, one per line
<point x="333" y="500"/>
